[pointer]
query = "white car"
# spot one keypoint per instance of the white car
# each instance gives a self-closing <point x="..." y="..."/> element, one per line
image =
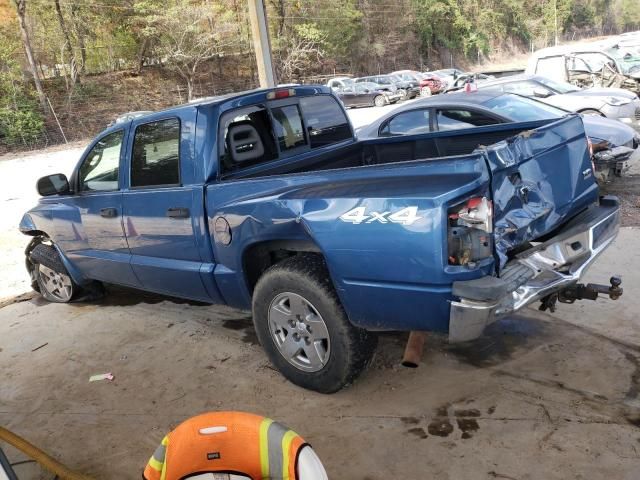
<point x="615" y="103"/>
<point x="583" y="65"/>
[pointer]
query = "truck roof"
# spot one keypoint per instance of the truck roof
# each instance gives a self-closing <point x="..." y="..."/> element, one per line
<point x="239" y="99"/>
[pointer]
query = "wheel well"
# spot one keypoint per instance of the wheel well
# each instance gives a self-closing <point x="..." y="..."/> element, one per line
<point x="594" y="110"/>
<point x="259" y="257"/>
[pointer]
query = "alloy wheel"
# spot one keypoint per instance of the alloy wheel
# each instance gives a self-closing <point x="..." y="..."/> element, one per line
<point x="57" y="284"/>
<point x="299" y="332"/>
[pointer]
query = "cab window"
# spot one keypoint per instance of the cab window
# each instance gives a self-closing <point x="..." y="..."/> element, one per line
<point x="100" y="169"/>
<point x="326" y="121"/>
<point x="287" y="124"/>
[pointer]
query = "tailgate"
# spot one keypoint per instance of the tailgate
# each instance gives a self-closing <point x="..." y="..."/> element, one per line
<point x="540" y="179"/>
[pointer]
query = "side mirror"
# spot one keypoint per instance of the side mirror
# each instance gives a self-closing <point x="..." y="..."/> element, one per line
<point x="56" y="184"/>
<point x="541" y="92"/>
<point x="366" y="90"/>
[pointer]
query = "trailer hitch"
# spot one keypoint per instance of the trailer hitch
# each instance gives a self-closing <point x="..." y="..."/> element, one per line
<point x="580" y="291"/>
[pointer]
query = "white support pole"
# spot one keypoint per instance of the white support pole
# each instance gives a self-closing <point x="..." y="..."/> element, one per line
<point x="261" y="43"/>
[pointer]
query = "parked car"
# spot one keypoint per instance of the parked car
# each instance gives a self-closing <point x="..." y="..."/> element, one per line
<point x="615" y="142"/>
<point x="449" y="75"/>
<point x="584" y="66"/>
<point x="406" y="89"/>
<point x="615" y="103"/>
<point x="366" y="94"/>
<point x="340" y="82"/>
<point x="264" y="200"/>
<point x="464" y="78"/>
<point x="431" y="84"/>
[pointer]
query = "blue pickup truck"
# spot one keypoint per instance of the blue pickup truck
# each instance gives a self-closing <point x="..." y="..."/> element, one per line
<point x="265" y="200"/>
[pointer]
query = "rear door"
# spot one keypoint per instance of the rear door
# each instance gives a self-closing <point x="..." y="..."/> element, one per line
<point x="163" y="208"/>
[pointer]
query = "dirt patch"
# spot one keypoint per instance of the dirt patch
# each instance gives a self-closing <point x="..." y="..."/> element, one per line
<point x="627" y="189"/>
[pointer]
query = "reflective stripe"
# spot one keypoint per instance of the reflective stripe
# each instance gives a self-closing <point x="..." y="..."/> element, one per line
<point x="286" y="447"/>
<point x="159" y="454"/>
<point x="276" y="436"/>
<point x="264" y="447"/>
<point x="156" y="465"/>
<point x="164" y="443"/>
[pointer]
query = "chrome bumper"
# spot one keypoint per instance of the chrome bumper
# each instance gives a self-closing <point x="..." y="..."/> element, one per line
<point x="535" y="273"/>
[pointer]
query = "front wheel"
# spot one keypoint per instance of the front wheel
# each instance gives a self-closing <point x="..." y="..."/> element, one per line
<point x="304" y="329"/>
<point x="379" y="101"/>
<point x="52" y="279"/>
<point x="403" y="94"/>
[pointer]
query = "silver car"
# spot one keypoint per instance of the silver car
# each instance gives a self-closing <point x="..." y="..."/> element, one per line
<point x="616" y="103"/>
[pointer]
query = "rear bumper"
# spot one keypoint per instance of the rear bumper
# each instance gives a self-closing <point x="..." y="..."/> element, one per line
<point x="535" y="273"/>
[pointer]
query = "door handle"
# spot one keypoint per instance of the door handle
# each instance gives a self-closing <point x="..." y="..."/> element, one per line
<point x="108" y="212"/>
<point x="178" y="212"/>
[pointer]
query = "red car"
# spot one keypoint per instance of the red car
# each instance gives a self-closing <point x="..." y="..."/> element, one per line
<point x="431" y="84"/>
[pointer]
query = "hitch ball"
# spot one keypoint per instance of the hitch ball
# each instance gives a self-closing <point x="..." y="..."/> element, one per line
<point x="615" y="290"/>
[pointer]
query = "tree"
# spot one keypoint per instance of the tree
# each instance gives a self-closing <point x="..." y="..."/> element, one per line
<point x="73" y="65"/>
<point x="21" y="8"/>
<point x="187" y="35"/>
<point x="20" y="120"/>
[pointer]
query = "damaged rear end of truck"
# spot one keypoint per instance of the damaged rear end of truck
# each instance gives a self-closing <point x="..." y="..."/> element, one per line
<point x="549" y="226"/>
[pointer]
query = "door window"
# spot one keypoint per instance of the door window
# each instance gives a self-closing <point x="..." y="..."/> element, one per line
<point x="156" y="154"/>
<point x="412" y="122"/>
<point x="99" y="171"/>
<point x="455" y="119"/>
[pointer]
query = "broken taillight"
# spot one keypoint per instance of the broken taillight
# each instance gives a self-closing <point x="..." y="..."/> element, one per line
<point x="469" y="231"/>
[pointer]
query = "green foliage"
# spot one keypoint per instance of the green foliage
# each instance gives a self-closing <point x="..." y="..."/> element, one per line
<point x="21" y="121"/>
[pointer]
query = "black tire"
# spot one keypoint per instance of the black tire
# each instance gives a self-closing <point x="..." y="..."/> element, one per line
<point x="379" y="101"/>
<point x="351" y="348"/>
<point x="47" y="256"/>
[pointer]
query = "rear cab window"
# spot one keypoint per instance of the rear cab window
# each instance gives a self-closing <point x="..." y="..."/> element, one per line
<point x="278" y="129"/>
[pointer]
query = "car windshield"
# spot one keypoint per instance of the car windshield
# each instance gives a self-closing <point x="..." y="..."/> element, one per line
<point x="521" y="109"/>
<point x="560" y="87"/>
<point x="627" y="56"/>
<point x="385" y="81"/>
<point x="395" y="78"/>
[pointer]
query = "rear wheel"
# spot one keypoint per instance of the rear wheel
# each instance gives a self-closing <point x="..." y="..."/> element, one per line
<point x="403" y="94"/>
<point x="425" y="92"/>
<point x="304" y="329"/>
<point x="379" y="101"/>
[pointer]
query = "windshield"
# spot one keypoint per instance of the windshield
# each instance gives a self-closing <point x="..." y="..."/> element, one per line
<point x="521" y="109"/>
<point x="560" y="87"/>
<point x="627" y="56"/>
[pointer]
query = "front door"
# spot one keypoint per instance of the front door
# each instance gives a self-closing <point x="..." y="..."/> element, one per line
<point x="164" y="211"/>
<point x="89" y="222"/>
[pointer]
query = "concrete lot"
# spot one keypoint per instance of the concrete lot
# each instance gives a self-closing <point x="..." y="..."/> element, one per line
<point x="540" y="396"/>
